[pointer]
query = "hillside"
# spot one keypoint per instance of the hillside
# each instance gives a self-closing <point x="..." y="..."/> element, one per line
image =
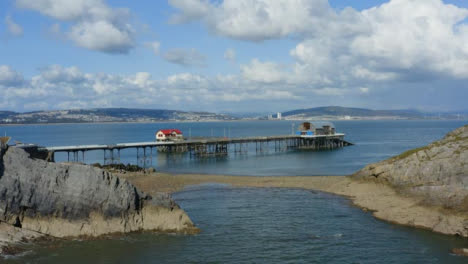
<point x="107" y="115"/>
<point x="338" y="112"/>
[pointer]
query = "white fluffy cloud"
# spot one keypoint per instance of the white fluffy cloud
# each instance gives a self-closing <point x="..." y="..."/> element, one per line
<point x="415" y="46"/>
<point x="263" y="72"/>
<point x="254" y="19"/>
<point x="13" y="27"/>
<point x="401" y="40"/>
<point x="415" y="35"/>
<point x="185" y="57"/>
<point x="103" y="36"/>
<point x="58" y="87"/>
<point x="59" y="74"/>
<point x="94" y="24"/>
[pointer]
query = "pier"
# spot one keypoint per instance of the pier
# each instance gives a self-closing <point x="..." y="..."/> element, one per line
<point x="202" y="147"/>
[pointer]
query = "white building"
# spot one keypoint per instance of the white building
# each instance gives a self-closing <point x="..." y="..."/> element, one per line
<point x="169" y="135"/>
<point x="278" y="115"/>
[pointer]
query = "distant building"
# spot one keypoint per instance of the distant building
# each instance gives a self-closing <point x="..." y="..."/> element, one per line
<point x="270" y="117"/>
<point x="308" y="129"/>
<point x="278" y="115"/>
<point x="169" y="135"/>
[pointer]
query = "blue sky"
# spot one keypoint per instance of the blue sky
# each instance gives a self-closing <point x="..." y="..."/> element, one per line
<point x="233" y="55"/>
<point x="37" y="45"/>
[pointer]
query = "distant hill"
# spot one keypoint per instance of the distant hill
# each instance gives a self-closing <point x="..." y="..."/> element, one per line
<point x="107" y="115"/>
<point x="6" y="114"/>
<point x="99" y="115"/>
<point x="363" y="113"/>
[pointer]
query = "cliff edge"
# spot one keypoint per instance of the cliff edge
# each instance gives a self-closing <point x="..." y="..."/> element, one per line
<point x="438" y="172"/>
<point x="69" y="200"/>
<point x="435" y="177"/>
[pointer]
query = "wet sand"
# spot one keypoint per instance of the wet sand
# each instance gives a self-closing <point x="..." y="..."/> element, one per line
<point x="383" y="201"/>
<point x="164" y="182"/>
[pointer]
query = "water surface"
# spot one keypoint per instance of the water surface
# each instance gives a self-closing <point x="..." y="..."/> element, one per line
<point x="375" y="140"/>
<point x="250" y="225"/>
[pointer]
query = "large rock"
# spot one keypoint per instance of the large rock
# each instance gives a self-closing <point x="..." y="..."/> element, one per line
<point x="437" y="172"/>
<point x="65" y="200"/>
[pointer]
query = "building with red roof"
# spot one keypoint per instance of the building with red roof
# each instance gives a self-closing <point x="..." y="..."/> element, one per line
<point x="169" y="135"/>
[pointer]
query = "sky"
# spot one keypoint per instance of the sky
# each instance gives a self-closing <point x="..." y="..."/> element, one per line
<point x="233" y="55"/>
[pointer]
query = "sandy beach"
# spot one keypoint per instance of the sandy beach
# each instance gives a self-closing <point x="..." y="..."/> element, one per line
<point x="383" y="201"/>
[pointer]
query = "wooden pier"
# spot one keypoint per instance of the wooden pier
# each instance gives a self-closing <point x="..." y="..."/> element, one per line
<point x="204" y="147"/>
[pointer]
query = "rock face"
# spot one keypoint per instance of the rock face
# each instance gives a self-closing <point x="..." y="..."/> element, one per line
<point x="438" y="172"/>
<point x="63" y="200"/>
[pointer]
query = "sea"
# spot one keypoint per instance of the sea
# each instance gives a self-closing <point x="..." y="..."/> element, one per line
<point x="255" y="225"/>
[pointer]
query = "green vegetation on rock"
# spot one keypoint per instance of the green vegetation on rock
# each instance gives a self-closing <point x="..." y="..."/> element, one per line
<point x="409" y="153"/>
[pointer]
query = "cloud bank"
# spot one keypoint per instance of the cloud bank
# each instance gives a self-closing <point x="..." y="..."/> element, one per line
<point x="399" y="41"/>
<point x="185" y="57"/>
<point x="93" y="24"/>
<point x="418" y="48"/>
<point x="58" y="87"/>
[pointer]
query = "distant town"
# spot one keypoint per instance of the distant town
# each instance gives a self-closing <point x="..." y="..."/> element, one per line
<point x="103" y="115"/>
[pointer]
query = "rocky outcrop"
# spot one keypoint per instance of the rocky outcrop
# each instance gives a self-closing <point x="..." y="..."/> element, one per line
<point x="11" y="237"/>
<point x="63" y="200"/>
<point x="438" y="172"/>
<point x="432" y="181"/>
<point x="2" y="153"/>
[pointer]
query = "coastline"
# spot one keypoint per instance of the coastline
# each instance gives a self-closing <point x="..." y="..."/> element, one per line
<point x="237" y="120"/>
<point x="125" y="122"/>
<point x="384" y="202"/>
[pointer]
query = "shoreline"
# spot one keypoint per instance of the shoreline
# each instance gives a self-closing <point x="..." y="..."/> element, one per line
<point x="215" y="121"/>
<point x="384" y="202"/>
<point x="122" y="122"/>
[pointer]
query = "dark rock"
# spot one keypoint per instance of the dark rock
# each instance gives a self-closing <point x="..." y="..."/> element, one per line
<point x="438" y="172"/>
<point x="37" y="153"/>
<point x="120" y="167"/>
<point x="3" y="149"/>
<point x="65" y="199"/>
<point x="31" y="187"/>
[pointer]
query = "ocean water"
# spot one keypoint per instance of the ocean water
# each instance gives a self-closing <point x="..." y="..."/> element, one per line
<point x="374" y="141"/>
<point x="250" y="225"/>
<point x="255" y="225"/>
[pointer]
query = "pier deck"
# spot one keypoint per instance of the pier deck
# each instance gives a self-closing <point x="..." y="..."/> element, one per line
<point x="204" y="146"/>
<point x="185" y="142"/>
